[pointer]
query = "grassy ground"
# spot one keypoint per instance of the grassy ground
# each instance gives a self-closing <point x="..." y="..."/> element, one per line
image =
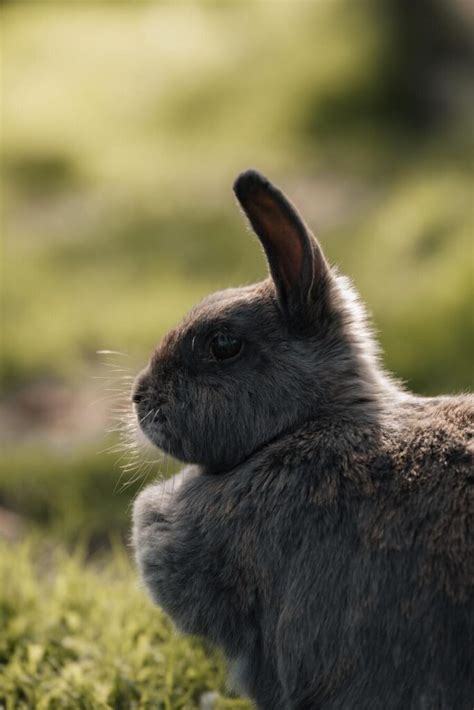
<point x="84" y="637"/>
<point x="124" y="125"/>
<point x="76" y="629"/>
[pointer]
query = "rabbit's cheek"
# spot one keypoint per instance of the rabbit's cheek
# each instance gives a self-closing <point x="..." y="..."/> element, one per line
<point x="158" y="433"/>
<point x="164" y="434"/>
<point x="151" y="421"/>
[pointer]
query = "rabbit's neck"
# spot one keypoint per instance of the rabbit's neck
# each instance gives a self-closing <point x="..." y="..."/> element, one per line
<point x="363" y="389"/>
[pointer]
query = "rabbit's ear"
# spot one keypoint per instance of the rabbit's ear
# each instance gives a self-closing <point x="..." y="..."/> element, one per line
<point x="297" y="265"/>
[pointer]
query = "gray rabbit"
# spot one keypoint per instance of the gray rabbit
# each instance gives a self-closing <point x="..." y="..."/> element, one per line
<point x="322" y="536"/>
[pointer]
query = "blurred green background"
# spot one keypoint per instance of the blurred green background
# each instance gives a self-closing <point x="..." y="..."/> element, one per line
<point x="123" y="127"/>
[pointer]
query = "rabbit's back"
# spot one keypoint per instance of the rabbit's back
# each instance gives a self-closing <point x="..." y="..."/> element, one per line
<point x="422" y="532"/>
<point x="428" y="506"/>
<point x="374" y="560"/>
<point x="425" y="465"/>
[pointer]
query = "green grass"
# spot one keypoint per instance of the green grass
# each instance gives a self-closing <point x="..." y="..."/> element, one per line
<point x="84" y="637"/>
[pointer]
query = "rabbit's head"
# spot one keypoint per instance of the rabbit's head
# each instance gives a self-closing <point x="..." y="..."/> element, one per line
<point x="248" y="364"/>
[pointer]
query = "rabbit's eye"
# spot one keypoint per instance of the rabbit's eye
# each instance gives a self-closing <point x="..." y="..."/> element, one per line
<point x="224" y="346"/>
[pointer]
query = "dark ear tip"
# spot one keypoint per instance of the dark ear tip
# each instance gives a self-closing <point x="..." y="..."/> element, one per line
<point x="249" y="181"/>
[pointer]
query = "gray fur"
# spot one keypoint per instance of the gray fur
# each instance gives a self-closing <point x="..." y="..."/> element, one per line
<point x="322" y="536"/>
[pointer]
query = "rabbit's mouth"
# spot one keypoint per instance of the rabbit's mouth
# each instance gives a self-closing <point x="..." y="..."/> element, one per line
<point x="148" y="410"/>
<point x="155" y="425"/>
<point x="152" y="423"/>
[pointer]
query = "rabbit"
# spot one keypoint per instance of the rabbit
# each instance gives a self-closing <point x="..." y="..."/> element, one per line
<point x="321" y="531"/>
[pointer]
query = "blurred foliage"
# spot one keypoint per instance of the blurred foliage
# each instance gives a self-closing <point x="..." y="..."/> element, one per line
<point x="81" y="499"/>
<point x="124" y="126"/>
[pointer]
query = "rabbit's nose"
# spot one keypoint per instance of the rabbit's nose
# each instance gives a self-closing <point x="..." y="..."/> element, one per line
<point x="137" y="396"/>
<point x="140" y="388"/>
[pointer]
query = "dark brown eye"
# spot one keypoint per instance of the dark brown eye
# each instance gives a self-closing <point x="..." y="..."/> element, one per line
<point x="224" y="346"/>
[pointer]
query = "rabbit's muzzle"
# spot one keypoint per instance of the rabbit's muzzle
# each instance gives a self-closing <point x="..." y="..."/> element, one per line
<point x="153" y="410"/>
<point x="139" y="388"/>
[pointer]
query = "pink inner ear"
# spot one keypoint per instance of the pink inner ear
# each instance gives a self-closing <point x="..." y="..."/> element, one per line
<point x="281" y="237"/>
